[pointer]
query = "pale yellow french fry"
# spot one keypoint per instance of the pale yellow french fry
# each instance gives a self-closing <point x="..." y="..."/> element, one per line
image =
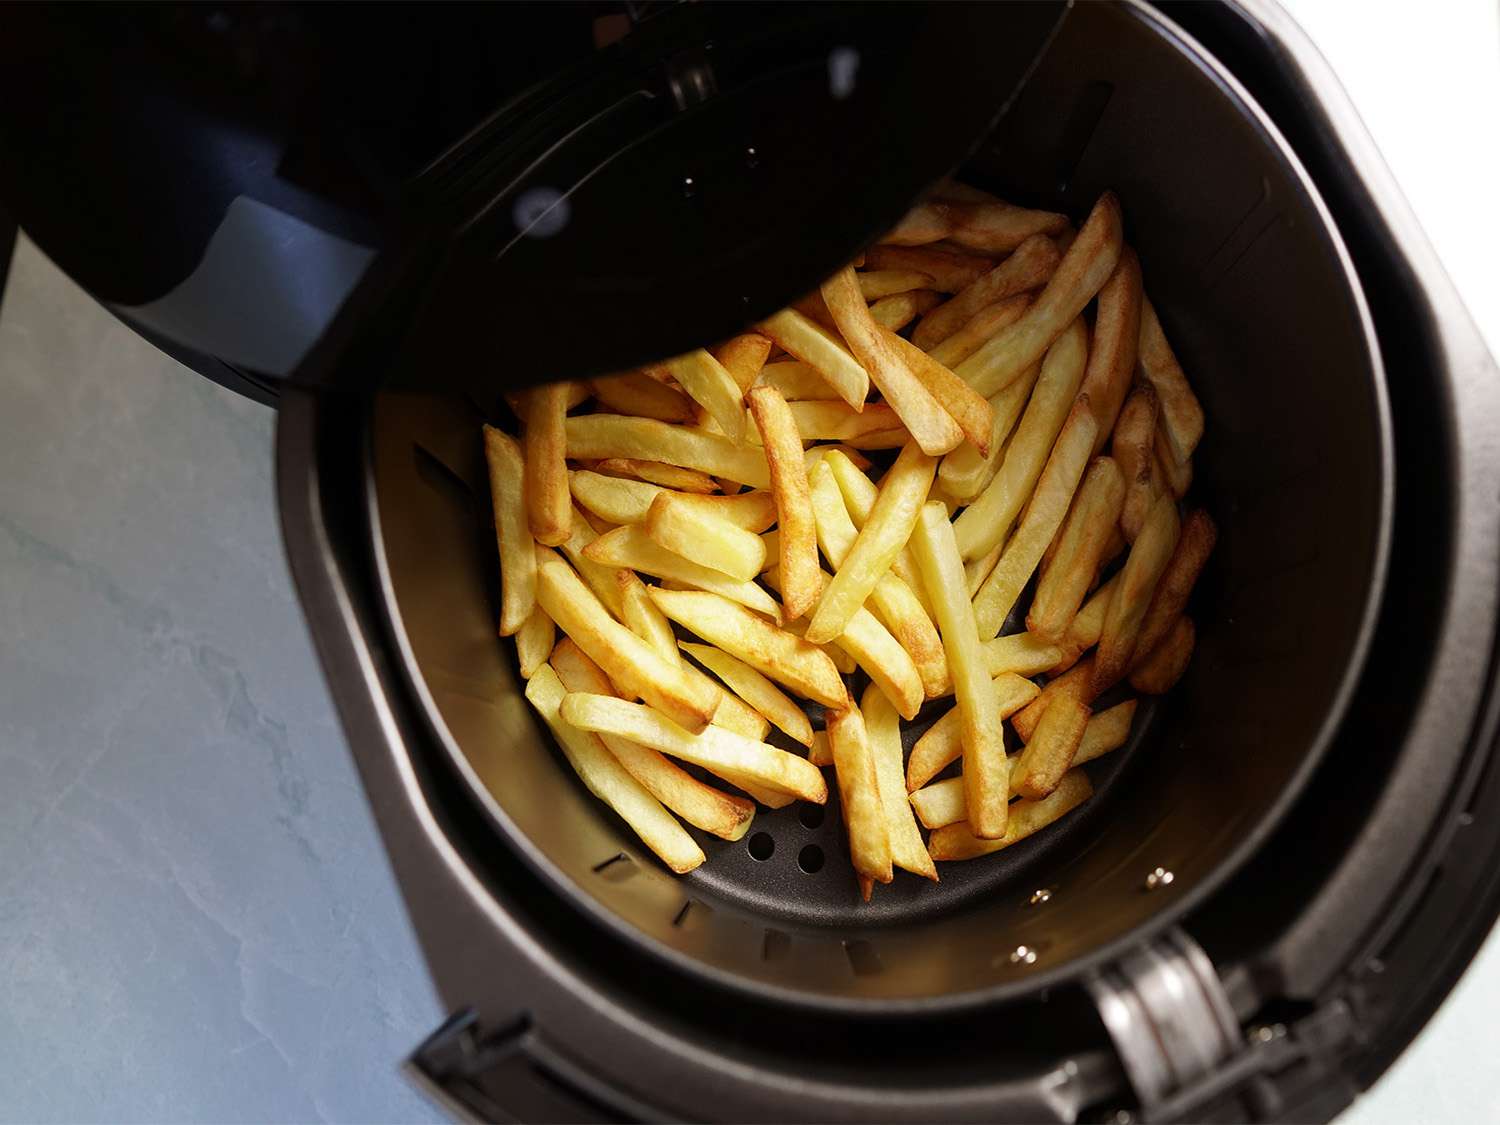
<point x="702" y="806"/>
<point x="900" y="309"/>
<point x="743" y="356"/>
<point x="880" y="540"/>
<point x="1144" y="566"/>
<point x="1081" y="274"/>
<point x="1090" y="524"/>
<point x="1112" y="353"/>
<point x="957" y="841"/>
<point x="985" y="770"/>
<point x="930" y="425"/>
<point x="512" y="530"/>
<point x="631" y="547"/>
<point x="1181" y="413"/>
<point x="859" y="794"/>
<point x="797" y="544"/>
<point x="950" y="271"/>
<point x="712" y="387"/>
<point x="979" y="330"/>
<point x="635" y="392"/>
<point x="1108" y="730"/>
<point x="1021" y="653"/>
<point x="1078" y="679"/>
<point x="859" y="493"/>
<point x="841" y="659"/>
<point x="820" y="753"/>
<point x="784" y="657"/>
<point x="808" y="341"/>
<point x="875" y="284"/>
<point x="967" y="407"/>
<point x="1053" y="744"/>
<point x="534" y="641"/>
<point x="698" y="533"/>
<point x="940" y="803"/>
<point x="712" y="747"/>
<point x="1033" y="262"/>
<point x="988" y="520"/>
<point x="1044" y="515"/>
<point x="608" y="780"/>
<point x="1084" y="632"/>
<point x="601" y="579"/>
<point x="621" y="500"/>
<point x="966" y="472"/>
<point x="977" y="570"/>
<point x="1194" y="545"/>
<point x="797" y="381"/>
<point x="658" y="473"/>
<point x="548" y="506"/>
<point x="755" y="689"/>
<point x="642" y="618"/>
<point x="942" y="743"/>
<point x="883" y="729"/>
<point x="1158" y="672"/>
<point x="730" y="711"/>
<point x="599" y="436"/>
<point x="831" y="420"/>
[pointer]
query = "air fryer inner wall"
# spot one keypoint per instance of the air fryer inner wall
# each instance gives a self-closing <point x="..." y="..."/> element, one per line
<point x="1256" y="300"/>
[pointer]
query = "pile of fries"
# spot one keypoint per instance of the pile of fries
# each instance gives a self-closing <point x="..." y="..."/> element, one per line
<point x="711" y="547"/>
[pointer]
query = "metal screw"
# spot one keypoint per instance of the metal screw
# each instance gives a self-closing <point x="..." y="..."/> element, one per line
<point x="689" y="188"/>
<point x="1023" y="955"/>
<point x="1040" y="896"/>
<point x="1159" y="877"/>
<point x="1122" y="1117"/>
<point x="1263" y="1033"/>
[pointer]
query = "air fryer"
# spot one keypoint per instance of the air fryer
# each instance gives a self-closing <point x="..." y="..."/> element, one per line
<point x="1278" y="878"/>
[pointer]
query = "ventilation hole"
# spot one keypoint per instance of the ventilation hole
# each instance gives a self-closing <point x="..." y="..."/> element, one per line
<point x="762" y="845"/>
<point x="810" y="815"/>
<point x="776" y="946"/>
<point x="617" y="868"/>
<point x="862" y="958"/>
<point x="435" y="473"/>
<point x="810" y="859"/>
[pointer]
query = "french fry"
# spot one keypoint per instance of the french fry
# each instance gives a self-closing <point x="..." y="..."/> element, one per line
<point x="1044" y="515"/>
<point x="859" y="794"/>
<point x="711" y="386"/>
<point x="784" y="657"/>
<point x="702" y="806"/>
<point x="950" y="271"/>
<point x="1080" y="546"/>
<point x="712" y="747"/>
<point x="658" y="473"/>
<point x="933" y="427"/>
<point x="892" y="600"/>
<point x="1181" y="413"/>
<point x="512" y="531"/>
<point x="987" y="521"/>
<point x="743" y="356"/>
<point x="621" y="500"/>
<point x="1078" y="679"/>
<point x="534" y="641"/>
<point x="600" y="579"/>
<point x="966" y="472"/>
<point x="957" y="841"/>
<point x="1132" y="450"/>
<point x="942" y="743"/>
<point x="986" y="772"/>
<point x="859" y="493"/>
<point x="819" y="753"/>
<point x="885" y="532"/>
<point x="983" y="325"/>
<point x="811" y="343"/>
<point x="635" y="393"/>
<point x="1179" y="477"/>
<point x="963" y="403"/>
<point x="641" y="617"/>
<point x="1164" y="665"/>
<point x="631" y="547"/>
<point x="1144" y="566"/>
<point x="797" y="381"/>
<point x="1033" y="262"/>
<point x="940" y="803"/>
<point x="797" y="547"/>
<point x="1108" y="730"/>
<point x="990" y="227"/>
<point x="875" y="284"/>
<point x="1117" y="331"/>
<point x="627" y="660"/>
<point x="608" y="780"/>
<point x="1053" y="744"/>
<point x="883" y="730"/>
<point x="730" y="711"/>
<point x="601" y="436"/>
<point x="1082" y="273"/>
<point x="831" y="420"/>
<point x="1021" y="653"/>
<point x="756" y="690"/>
<point x="548" y="505"/>
<point x="900" y="309"/>
<point x="816" y="453"/>
<point x="1194" y="545"/>
<point x="695" y="532"/>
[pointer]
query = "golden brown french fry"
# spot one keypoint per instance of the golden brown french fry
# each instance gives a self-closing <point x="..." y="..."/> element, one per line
<point x="965" y="473"/>
<point x="1083" y="634"/>
<point x="1053" y="744"/>
<point x="1179" y="477"/>
<point x="642" y="618"/>
<point x="711" y="386"/>
<point x="755" y="689"/>
<point x="730" y="712"/>
<point x="987" y="521"/>
<point x="1144" y="566"/>
<point x="698" y="533"/>
<point x="974" y="334"/>
<point x="630" y="662"/>
<point x="1194" y="545"/>
<point x="859" y="493"/>
<point x="808" y="341"/>
<point x="784" y="657"/>
<point x="713" y="747"/>
<point x="883" y="729"/>
<point x="831" y="420"/>
<point x="841" y="659"/>
<point x="658" y="473"/>
<point x="820" y="753"/>
<point x="534" y="641"/>
<point x="900" y="309"/>
<point x="1108" y="730"/>
<point x="743" y="356"/>
<point x="968" y="408"/>
<point x="1081" y="274"/>
<point x="957" y="841"/>
<point x="942" y="743"/>
<point x="621" y="500"/>
<point x="1132" y="451"/>
<point x="549" y="508"/>
<point x="933" y="427"/>
<point x="1117" y="331"/>
<point x="1021" y="653"/>
<point x="602" y="436"/>
<point x="1044" y="515"/>
<point x="635" y="393"/>
<point x="950" y="270"/>
<point x="859" y="794"/>
<point x="631" y="547"/>
<point x="608" y="780"/>
<point x="1080" y="546"/>
<point x="512" y="531"/>
<point x="875" y="284"/>
<point x="797" y="381"/>
<point x="702" y="806"/>
<point x="885" y="532"/>
<point x="940" y="803"/>
<point x="797" y="544"/>
<point x="601" y="579"/>
<point x="1181" y="414"/>
<point x="986" y="773"/>
<point x="1078" y="679"/>
<point x="991" y="227"/>
<point x="1165" y="664"/>
<point x="1033" y="262"/>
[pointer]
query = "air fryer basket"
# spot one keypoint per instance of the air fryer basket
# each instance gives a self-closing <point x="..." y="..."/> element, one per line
<point x="1259" y="300"/>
